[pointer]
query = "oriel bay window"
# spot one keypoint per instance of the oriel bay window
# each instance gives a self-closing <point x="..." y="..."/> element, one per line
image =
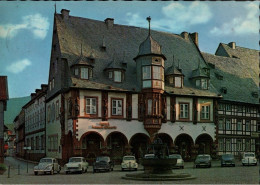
<point x="91" y="106"/>
<point x="184" y="110"/>
<point x="152" y="107"/>
<point x="85" y="72"/>
<point x="116" y="75"/>
<point x="152" y="76"/>
<point x="117" y="107"/>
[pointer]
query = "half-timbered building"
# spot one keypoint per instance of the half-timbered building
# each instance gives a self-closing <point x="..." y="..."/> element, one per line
<point x="113" y="88"/>
<point x="235" y="72"/>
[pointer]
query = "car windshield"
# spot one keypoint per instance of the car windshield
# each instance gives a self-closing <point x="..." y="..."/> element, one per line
<point x="129" y="158"/>
<point x="46" y="161"/>
<point x="249" y="155"/>
<point x="75" y="160"/>
<point x="203" y="157"/>
<point x="102" y="159"/>
<point x="175" y="156"/>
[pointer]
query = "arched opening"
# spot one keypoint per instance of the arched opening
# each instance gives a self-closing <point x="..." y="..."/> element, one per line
<point x="139" y="143"/>
<point x="91" y="145"/>
<point x="116" y="144"/>
<point x="166" y="138"/>
<point x="68" y="146"/>
<point x="205" y="143"/>
<point x="184" y="143"/>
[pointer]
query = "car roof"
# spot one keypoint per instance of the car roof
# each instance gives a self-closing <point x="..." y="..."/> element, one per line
<point x="48" y="158"/>
<point x="129" y="156"/>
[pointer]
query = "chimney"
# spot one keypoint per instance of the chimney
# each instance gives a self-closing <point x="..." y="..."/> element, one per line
<point x="44" y="87"/>
<point x="33" y="95"/>
<point x="232" y="45"/>
<point x="109" y="22"/>
<point x="65" y="13"/>
<point x="195" y="37"/>
<point x="184" y="35"/>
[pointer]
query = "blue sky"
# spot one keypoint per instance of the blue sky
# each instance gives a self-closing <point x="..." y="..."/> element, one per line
<point x="26" y="30"/>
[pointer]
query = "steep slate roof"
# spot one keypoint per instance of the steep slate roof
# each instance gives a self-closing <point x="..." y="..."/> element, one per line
<point x="199" y="72"/>
<point x="239" y="78"/>
<point x="125" y="40"/>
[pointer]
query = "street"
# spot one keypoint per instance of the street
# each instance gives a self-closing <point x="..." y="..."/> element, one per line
<point x="214" y="175"/>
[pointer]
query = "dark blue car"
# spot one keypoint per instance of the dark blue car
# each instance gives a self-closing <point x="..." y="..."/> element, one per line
<point x="227" y="160"/>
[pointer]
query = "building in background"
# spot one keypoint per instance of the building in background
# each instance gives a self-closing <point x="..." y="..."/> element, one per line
<point x="19" y="123"/>
<point x="34" y="127"/>
<point x="3" y="100"/>
<point x="9" y="139"/>
<point x="235" y="74"/>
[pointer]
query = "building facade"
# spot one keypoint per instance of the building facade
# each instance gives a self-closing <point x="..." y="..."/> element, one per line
<point x="4" y="96"/>
<point x="235" y="72"/>
<point x="34" y="112"/>
<point x="19" y="123"/>
<point x="114" y="88"/>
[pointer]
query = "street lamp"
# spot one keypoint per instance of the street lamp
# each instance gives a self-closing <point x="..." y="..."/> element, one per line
<point x="26" y="148"/>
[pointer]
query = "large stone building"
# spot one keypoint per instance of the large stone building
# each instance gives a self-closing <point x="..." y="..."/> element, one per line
<point x="4" y="96"/>
<point x="235" y="72"/>
<point x="112" y="88"/>
<point x="34" y="126"/>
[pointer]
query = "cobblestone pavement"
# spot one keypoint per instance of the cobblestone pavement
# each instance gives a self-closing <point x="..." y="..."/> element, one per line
<point x="214" y="175"/>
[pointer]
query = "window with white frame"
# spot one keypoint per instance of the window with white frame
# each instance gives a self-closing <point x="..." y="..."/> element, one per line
<point x="184" y="110"/>
<point x="239" y="145"/>
<point x="117" y="107"/>
<point x="117" y="76"/>
<point x="239" y="125"/>
<point x="157" y="72"/>
<point x="228" y="145"/>
<point x="247" y="125"/>
<point x="178" y="82"/>
<point x="91" y="105"/>
<point x="247" y="145"/>
<point x="146" y="72"/>
<point x="76" y="71"/>
<point x="228" y="124"/>
<point x="110" y="74"/>
<point x="204" y="84"/>
<point x="220" y="144"/>
<point x="221" y="106"/>
<point x="149" y="106"/>
<point x="205" y="112"/>
<point x="220" y="124"/>
<point x="228" y="107"/>
<point x="84" y="73"/>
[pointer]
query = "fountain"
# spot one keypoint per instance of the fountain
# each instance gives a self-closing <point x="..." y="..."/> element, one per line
<point x="159" y="167"/>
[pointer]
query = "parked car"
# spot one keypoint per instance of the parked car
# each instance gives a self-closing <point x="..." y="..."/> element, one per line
<point x="103" y="163"/>
<point x="129" y="163"/>
<point x="203" y="160"/>
<point x="49" y="165"/>
<point x="76" y="164"/>
<point x="149" y="156"/>
<point x="227" y="160"/>
<point x="249" y="158"/>
<point x="180" y="162"/>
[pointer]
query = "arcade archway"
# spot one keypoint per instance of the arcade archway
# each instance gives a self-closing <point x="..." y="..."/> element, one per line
<point x="91" y="145"/>
<point x="139" y="143"/>
<point x="184" y="144"/>
<point x="166" y="138"/>
<point x="116" y="143"/>
<point x="205" y="143"/>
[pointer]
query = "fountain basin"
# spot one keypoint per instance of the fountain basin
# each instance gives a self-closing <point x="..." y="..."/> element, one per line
<point x="158" y="166"/>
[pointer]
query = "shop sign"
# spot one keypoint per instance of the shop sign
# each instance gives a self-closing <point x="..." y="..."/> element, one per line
<point x="103" y="125"/>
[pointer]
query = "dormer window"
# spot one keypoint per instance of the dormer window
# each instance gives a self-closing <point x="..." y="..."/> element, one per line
<point x="76" y="72"/>
<point x="202" y="83"/>
<point x="84" y="73"/>
<point x="116" y="75"/>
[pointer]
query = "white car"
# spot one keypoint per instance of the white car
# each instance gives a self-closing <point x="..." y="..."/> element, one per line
<point x="49" y="165"/>
<point x="249" y="158"/>
<point x="180" y="162"/>
<point x="76" y="164"/>
<point x="129" y="163"/>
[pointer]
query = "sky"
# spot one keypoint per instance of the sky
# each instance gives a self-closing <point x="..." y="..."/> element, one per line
<point x="26" y="30"/>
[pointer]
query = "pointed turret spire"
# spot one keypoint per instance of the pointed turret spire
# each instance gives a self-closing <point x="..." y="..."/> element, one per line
<point x="149" y="21"/>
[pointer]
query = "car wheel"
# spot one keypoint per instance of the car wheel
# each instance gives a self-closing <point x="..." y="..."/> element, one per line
<point x="135" y="169"/>
<point x="67" y="172"/>
<point x="182" y="167"/>
<point x="243" y="164"/>
<point x="35" y="173"/>
<point x="196" y="166"/>
<point x="255" y="164"/>
<point x="86" y="169"/>
<point x="122" y="169"/>
<point x="44" y="173"/>
<point x="210" y="166"/>
<point x="234" y="165"/>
